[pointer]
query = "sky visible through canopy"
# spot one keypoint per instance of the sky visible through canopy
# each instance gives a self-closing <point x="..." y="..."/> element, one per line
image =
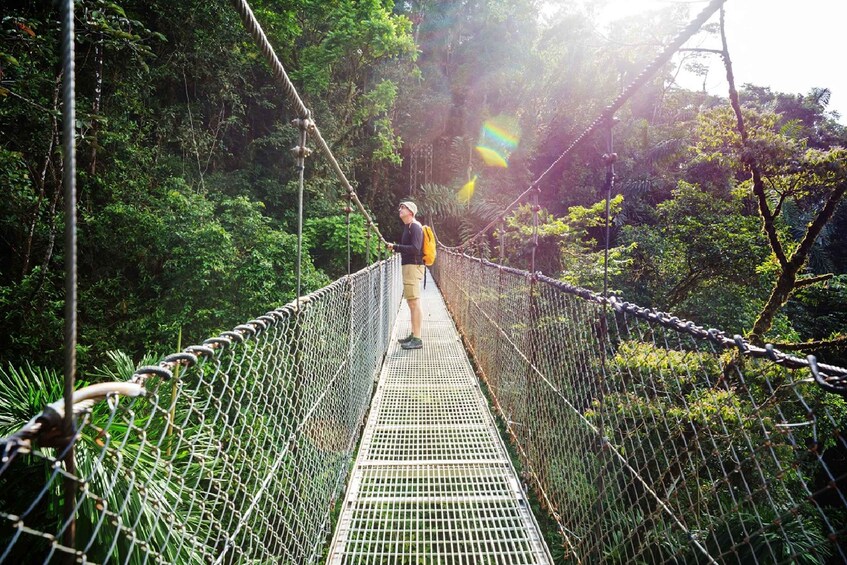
<point x="790" y="47"/>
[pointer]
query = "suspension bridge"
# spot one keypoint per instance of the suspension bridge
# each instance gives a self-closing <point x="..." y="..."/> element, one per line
<point x="617" y="434"/>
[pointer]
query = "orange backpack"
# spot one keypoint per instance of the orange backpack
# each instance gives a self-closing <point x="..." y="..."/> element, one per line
<point x="428" y="248"/>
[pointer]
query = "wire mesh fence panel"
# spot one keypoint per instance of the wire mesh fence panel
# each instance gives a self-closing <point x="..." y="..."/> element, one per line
<point x="237" y="458"/>
<point x="649" y="439"/>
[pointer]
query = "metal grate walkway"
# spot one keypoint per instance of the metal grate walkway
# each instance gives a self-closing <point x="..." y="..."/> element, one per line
<point x="432" y="483"/>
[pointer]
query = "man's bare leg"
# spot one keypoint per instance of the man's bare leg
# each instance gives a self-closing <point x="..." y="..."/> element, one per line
<point x="416" y="314"/>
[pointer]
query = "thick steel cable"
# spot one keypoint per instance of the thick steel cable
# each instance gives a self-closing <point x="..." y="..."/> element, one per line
<point x="667" y="320"/>
<point x="258" y="35"/>
<point x="608" y="113"/>
<point x="69" y="181"/>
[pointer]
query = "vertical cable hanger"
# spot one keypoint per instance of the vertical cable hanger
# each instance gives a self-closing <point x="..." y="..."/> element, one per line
<point x="609" y="159"/>
<point x="300" y="153"/>
<point x="348" y="209"/>
<point x="535" y="209"/>
<point x="69" y="181"/>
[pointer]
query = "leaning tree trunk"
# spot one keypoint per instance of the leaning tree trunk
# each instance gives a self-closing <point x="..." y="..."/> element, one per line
<point x="790" y="267"/>
<point x="785" y="285"/>
<point x="787" y="281"/>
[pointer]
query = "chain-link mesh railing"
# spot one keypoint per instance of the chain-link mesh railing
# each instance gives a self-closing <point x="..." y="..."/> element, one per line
<point x="649" y="439"/>
<point x="237" y="458"/>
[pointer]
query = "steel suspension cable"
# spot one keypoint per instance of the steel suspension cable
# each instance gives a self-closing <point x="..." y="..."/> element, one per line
<point x="69" y="180"/>
<point x="258" y="35"/>
<point x="608" y="113"/>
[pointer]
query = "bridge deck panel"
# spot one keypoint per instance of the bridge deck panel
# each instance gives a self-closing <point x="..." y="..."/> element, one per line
<point x="432" y="481"/>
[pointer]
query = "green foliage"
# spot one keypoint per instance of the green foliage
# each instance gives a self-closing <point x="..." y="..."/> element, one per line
<point x="701" y="260"/>
<point x="795" y="190"/>
<point x="780" y="539"/>
<point x="664" y="405"/>
<point x="24" y="392"/>
<point x="567" y="247"/>
<point x="326" y="239"/>
<point x="185" y="179"/>
<point x="227" y="259"/>
<point x="818" y="312"/>
<point x="106" y="444"/>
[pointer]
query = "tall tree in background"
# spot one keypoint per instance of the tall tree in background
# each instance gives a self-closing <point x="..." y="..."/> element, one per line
<point x="477" y="62"/>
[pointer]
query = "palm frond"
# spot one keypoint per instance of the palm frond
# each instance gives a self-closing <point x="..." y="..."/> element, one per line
<point x="24" y="392"/>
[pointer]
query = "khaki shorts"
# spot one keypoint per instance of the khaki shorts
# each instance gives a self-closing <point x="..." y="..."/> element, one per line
<point x="412" y="277"/>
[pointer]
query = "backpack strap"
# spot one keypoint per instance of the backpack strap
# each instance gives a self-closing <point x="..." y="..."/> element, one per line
<point x="420" y="252"/>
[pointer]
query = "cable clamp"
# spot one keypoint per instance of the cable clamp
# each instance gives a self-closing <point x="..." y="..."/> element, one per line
<point x="301" y="152"/>
<point x="186" y="359"/>
<point x="304" y="124"/>
<point x="142" y="373"/>
<point x="201" y="350"/>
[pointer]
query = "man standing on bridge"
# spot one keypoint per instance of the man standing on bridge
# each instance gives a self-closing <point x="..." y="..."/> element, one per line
<point x="411" y="253"/>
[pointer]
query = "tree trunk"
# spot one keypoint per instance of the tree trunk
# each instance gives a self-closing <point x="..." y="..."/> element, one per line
<point x="95" y="105"/>
<point x="779" y="295"/>
<point x="42" y="180"/>
<point x="787" y="282"/>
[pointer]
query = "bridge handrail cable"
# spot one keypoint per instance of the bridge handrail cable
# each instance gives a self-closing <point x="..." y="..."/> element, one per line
<point x="830" y="377"/>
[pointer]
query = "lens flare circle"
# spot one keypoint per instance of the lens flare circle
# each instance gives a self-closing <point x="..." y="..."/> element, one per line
<point x="499" y="137"/>
<point x="491" y="158"/>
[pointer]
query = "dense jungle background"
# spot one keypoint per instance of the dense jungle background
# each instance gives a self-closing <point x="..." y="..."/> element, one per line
<point x="187" y="187"/>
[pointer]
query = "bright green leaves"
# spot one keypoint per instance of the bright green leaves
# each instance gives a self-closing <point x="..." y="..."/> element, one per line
<point x="24" y="391"/>
<point x="700" y="259"/>
<point x="188" y="261"/>
<point x="567" y="247"/>
<point x="326" y="239"/>
<point x="107" y="25"/>
<point x="594" y="216"/>
<point x="375" y="107"/>
<point x="370" y="30"/>
<point x="343" y="40"/>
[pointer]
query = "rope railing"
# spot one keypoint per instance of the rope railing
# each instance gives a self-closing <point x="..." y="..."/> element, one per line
<point x="648" y="438"/>
<point x="605" y="118"/>
<point x="231" y="451"/>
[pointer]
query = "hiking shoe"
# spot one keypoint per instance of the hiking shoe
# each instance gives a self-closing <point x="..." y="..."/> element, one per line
<point x="406" y="339"/>
<point x="413" y="343"/>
